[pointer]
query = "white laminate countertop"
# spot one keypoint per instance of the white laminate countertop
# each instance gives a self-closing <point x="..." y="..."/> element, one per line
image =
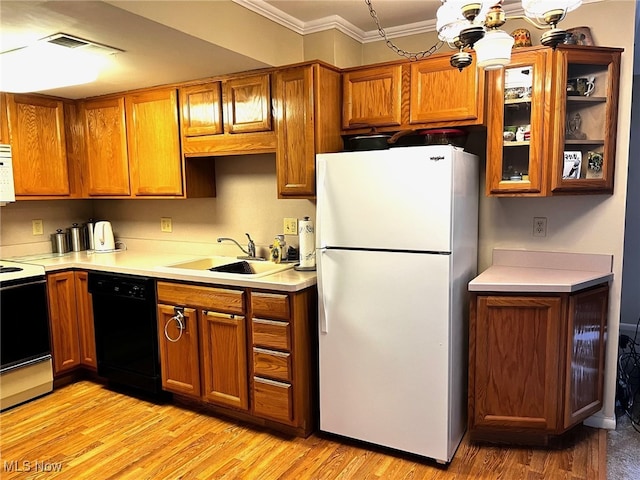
<point x="530" y="272"/>
<point x="156" y="265"/>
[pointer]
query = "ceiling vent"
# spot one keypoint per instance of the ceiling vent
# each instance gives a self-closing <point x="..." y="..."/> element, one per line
<point x="69" y="41"/>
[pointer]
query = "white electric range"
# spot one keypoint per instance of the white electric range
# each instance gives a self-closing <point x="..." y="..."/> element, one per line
<point x="25" y="352"/>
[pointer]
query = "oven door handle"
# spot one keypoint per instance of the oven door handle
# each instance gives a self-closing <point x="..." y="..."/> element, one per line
<point x="18" y="285"/>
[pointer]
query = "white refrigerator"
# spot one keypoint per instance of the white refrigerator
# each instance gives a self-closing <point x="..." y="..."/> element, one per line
<point x="396" y="238"/>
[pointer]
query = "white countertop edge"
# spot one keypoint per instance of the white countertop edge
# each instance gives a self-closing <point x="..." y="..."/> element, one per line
<point x="154" y="265"/>
<point x="535" y="280"/>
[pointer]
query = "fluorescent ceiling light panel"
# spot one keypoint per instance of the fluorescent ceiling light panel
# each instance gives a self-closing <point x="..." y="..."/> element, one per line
<point x="57" y="61"/>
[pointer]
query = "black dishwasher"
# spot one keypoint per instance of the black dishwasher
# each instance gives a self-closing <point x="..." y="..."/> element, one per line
<point x="124" y="309"/>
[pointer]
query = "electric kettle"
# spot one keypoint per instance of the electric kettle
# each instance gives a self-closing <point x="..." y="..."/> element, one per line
<point x="103" y="237"/>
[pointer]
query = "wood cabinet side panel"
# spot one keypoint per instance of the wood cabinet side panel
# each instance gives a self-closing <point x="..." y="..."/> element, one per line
<point x="585" y="354"/>
<point x="87" y="336"/>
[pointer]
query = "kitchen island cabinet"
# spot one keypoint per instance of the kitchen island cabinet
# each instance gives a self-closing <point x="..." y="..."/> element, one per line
<point x="536" y="351"/>
<point x="71" y="321"/>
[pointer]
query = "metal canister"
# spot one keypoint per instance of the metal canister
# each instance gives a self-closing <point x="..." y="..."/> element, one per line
<point x="90" y="242"/>
<point x="60" y="242"/>
<point x="77" y="238"/>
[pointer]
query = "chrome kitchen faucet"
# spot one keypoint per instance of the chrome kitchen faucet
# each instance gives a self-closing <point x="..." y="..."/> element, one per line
<point x="251" y="247"/>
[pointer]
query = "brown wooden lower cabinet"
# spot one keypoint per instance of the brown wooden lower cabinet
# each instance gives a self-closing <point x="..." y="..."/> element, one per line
<point x="536" y="363"/>
<point x="71" y="321"/>
<point x="247" y="353"/>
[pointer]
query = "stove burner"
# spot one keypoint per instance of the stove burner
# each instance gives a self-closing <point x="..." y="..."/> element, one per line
<point x="9" y="269"/>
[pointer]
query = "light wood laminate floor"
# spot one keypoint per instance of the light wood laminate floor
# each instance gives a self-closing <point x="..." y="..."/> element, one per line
<point x="84" y="430"/>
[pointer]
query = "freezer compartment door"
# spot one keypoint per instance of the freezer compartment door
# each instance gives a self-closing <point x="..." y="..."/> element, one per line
<point x="384" y="349"/>
<point x="399" y="199"/>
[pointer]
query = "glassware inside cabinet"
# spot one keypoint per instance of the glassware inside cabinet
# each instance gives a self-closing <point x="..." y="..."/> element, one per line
<point x="518" y="86"/>
<point x="585" y="122"/>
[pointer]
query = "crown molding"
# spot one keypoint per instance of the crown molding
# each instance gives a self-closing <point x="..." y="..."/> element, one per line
<point x="332" y="22"/>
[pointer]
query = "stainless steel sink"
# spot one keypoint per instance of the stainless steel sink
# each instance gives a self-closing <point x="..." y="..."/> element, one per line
<point x="258" y="268"/>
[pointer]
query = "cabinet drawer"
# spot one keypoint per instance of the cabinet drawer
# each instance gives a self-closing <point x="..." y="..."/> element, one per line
<point x="270" y="305"/>
<point x="272" y="399"/>
<point x="271" y="333"/>
<point x="268" y="363"/>
<point x="219" y="299"/>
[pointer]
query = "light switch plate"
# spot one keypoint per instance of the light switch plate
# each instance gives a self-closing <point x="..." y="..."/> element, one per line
<point x="166" y="225"/>
<point x="290" y="226"/>
<point x="36" y="226"/>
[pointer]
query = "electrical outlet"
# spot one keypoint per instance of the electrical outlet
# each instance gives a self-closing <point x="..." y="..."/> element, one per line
<point x="165" y="224"/>
<point x="290" y="226"/>
<point x="36" y="226"/>
<point x="539" y="226"/>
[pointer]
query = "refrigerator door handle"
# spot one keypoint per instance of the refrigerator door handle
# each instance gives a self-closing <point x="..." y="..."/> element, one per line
<point x="322" y="307"/>
<point x="321" y="172"/>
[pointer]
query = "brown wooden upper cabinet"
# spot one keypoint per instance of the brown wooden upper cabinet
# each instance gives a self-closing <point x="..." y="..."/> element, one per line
<point x="107" y="161"/>
<point x="248" y="104"/>
<point x="442" y="94"/>
<point x="307" y="100"/>
<point x="201" y="109"/>
<point x="154" y="143"/>
<point x="228" y="116"/>
<point x="411" y="95"/>
<point x="37" y="135"/>
<point x="545" y="134"/>
<point x="133" y="145"/>
<point x="372" y="97"/>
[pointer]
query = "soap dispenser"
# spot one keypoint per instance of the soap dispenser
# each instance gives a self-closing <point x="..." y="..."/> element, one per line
<point x="276" y="249"/>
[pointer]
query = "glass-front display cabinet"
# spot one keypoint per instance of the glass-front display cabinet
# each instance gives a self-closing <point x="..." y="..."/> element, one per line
<point x="518" y="124"/>
<point x="583" y="156"/>
<point x="551" y="126"/>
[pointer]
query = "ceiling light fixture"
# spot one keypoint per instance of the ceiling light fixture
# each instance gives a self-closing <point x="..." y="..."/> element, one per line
<point x="56" y="61"/>
<point x="466" y="24"/>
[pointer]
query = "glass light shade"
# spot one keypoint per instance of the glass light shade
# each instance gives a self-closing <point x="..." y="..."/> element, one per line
<point x="538" y="8"/>
<point x="45" y="66"/>
<point x="450" y="20"/>
<point x="494" y="50"/>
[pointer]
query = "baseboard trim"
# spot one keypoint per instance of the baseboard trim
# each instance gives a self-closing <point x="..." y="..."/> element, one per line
<point x="599" y="420"/>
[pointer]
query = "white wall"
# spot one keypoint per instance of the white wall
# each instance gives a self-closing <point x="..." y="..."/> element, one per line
<point x="246" y="201"/>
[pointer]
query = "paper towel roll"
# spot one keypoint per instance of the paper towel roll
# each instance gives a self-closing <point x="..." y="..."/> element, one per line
<point x="307" y="243"/>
